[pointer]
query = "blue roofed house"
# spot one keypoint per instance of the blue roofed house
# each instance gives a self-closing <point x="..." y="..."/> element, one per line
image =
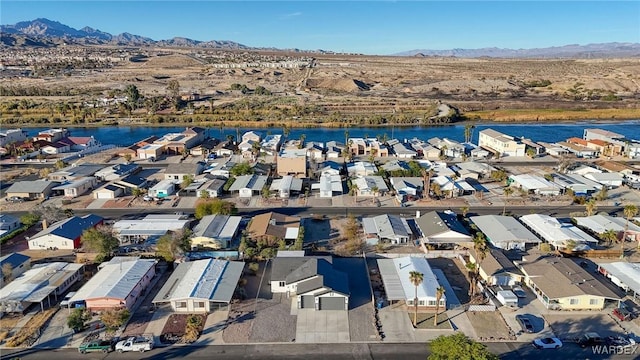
<point x="201" y="286"/>
<point x="63" y="234"/>
<point x="313" y="282"/>
<point x="8" y="224"/>
<point x="15" y="262"/>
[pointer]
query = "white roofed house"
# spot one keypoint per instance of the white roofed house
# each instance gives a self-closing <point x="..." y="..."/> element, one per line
<point x="334" y="149"/>
<point x="403" y="151"/>
<point x="118" y="284"/>
<point x="387" y="228"/>
<point x="438" y="228"/>
<point x="395" y="275"/>
<point x="201" y="286"/>
<point x="557" y="233"/>
<point x="610" y="180"/>
<point x="8" y="136"/>
<point x="163" y="189"/>
<point x="600" y="224"/>
<point x="576" y="183"/>
<point x="329" y="185"/>
<point x="407" y="185"/>
<point x="501" y="144"/>
<point x="248" y="185"/>
<point x="361" y="168"/>
<point x="534" y="184"/>
<point x="77" y="187"/>
<point x="271" y="144"/>
<point x="448" y="186"/>
<point x="505" y="232"/>
<point x="252" y="135"/>
<point x="151" y="227"/>
<point x="215" y="231"/>
<point x="370" y="185"/>
<point x="624" y="274"/>
<point x="314" y="150"/>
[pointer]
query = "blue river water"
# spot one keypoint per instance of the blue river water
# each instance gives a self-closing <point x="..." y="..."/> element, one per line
<point x="548" y="132"/>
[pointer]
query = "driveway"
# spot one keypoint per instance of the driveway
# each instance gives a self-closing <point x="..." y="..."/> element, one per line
<point x="322" y="326"/>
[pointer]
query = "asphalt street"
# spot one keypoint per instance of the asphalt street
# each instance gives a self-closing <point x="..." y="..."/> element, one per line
<point x="359" y="351"/>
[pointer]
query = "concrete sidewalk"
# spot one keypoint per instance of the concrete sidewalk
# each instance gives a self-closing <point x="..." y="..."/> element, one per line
<point x="213" y="328"/>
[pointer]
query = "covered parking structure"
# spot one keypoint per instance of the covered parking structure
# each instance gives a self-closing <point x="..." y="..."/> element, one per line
<point x="624" y="274"/>
<point x="42" y="282"/>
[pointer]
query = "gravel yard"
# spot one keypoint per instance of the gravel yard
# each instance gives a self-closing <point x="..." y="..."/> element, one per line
<point x="273" y="321"/>
<point x="455" y="274"/>
<point x="489" y="325"/>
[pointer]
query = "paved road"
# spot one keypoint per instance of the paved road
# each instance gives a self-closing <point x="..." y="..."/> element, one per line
<point x="558" y="210"/>
<point x="362" y="351"/>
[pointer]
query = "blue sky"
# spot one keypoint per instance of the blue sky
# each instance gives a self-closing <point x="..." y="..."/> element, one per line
<point x="369" y="27"/>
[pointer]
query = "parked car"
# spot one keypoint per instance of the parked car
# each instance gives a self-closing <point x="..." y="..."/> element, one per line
<point x="519" y="291"/>
<point x="622" y="314"/>
<point x="547" y="343"/>
<point x="147" y="198"/>
<point x="15" y="199"/>
<point x="525" y="323"/>
<point x="96" y="346"/>
<point x="590" y="339"/>
<point x="140" y="344"/>
<point x="65" y="301"/>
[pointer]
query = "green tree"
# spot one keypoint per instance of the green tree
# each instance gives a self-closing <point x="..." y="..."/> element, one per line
<point x="416" y="279"/>
<point x="481" y="249"/>
<point x="590" y="207"/>
<point x="458" y="347"/>
<point x="531" y="153"/>
<point x="133" y="96"/>
<point x="77" y="319"/>
<point x="439" y="292"/>
<point x="186" y="181"/>
<point x="137" y="192"/>
<point x="30" y="219"/>
<point x="100" y="239"/>
<point x="204" y="194"/>
<point x="243" y="168"/>
<point x="602" y="194"/>
<point x="113" y="319"/>
<point x="60" y="164"/>
<point x="215" y="207"/>
<point x="173" y="245"/>
<point x="629" y="212"/>
<point x="609" y="236"/>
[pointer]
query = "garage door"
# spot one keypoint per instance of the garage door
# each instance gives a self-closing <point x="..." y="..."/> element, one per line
<point x="331" y="303"/>
<point x="307" y="302"/>
<point x="104" y="195"/>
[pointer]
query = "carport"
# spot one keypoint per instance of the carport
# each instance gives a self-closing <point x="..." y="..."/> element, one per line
<point x="391" y="281"/>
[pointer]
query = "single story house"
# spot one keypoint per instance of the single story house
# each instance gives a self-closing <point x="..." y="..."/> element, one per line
<point x="213" y="188"/>
<point x="151" y="226"/>
<point x="248" y="185"/>
<point x="64" y="234"/>
<point x="407" y="185"/>
<point x="77" y="187"/>
<point x="8" y="224"/>
<point x="117" y="171"/>
<point x="215" y="231"/>
<point x="272" y="226"/>
<point x="599" y="224"/>
<point x="370" y="185"/>
<point x="42" y="282"/>
<point x="285" y="186"/>
<point x="201" y="286"/>
<point x="150" y="151"/>
<point x="74" y="172"/>
<point x="16" y="264"/>
<point x="562" y="284"/>
<point x="534" y="184"/>
<point x="398" y="286"/>
<point x="329" y="185"/>
<point x="610" y="180"/>
<point x="132" y="182"/>
<point x="505" y="232"/>
<point x="361" y="168"/>
<point x="109" y="191"/>
<point x="496" y="269"/>
<point x="437" y="227"/>
<point x="387" y="228"/>
<point x="558" y="233"/>
<point x="312" y="280"/>
<point x="163" y="189"/>
<point x="31" y="190"/>
<point x="624" y="274"/>
<point x="117" y="285"/>
<point x="180" y="171"/>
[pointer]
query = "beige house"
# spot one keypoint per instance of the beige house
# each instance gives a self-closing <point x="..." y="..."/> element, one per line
<point x="501" y="144"/>
<point x="292" y="162"/>
<point x="150" y="151"/>
<point x="497" y="269"/>
<point x="562" y="284"/>
<point x="369" y="146"/>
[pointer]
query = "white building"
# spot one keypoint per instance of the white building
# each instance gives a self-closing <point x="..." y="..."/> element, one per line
<point x="438" y="227"/>
<point x="64" y="234"/>
<point x="387" y="228"/>
<point x="77" y="187"/>
<point x="557" y="233"/>
<point x="8" y="136"/>
<point x="283" y="187"/>
<point x="505" y="232"/>
<point x="370" y="185"/>
<point x="361" y="168"/>
<point x="534" y="184"/>
<point x="151" y="226"/>
<point x="407" y="185"/>
<point x="329" y="185"/>
<point x="215" y="231"/>
<point x="610" y="180"/>
<point x="248" y="185"/>
<point x="501" y="144"/>
<point x="163" y="189"/>
<point x="201" y="286"/>
<point x="398" y="287"/>
<point x="601" y="223"/>
<point x="624" y="274"/>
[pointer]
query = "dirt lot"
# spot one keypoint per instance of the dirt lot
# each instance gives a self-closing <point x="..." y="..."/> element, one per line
<point x="455" y="274"/>
<point x="425" y="321"/>
<point x="489" y="325"/>
<point x="175" y="326"/>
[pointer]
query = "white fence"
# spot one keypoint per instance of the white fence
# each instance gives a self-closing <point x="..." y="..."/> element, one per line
<point x="89" y="151"/>
<point x="490" y="307"/>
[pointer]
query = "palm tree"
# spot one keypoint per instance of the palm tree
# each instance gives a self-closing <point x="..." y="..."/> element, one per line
<point x="439" y="292"/>
<point x="437" y="190"/>
<point x="426" y="178"/>
<point x="609" y="236"/>
<point x="416" y="279"/>
<point x="629" y="211"/>
<point x="355" y="188"/>
<point x="481" y="249"/>
<point x="465" y="210"/>
<point x="508" y="191"/>
<point x="346" y="136"/>
<point x="468" y="132"/>
<point x="590" y="207"/>
<point x="471" y="267"/>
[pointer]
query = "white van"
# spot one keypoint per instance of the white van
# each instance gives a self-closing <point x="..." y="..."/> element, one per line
<point x="65" y="301"/>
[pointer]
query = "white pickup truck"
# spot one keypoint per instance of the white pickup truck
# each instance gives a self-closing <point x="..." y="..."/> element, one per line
<point x="133" y="343"/>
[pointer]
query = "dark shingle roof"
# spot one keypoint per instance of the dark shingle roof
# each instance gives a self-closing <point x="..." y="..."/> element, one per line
<point x="318" y="273"/>
<point x="70" y="228"/>
<point x="13" y="259"/>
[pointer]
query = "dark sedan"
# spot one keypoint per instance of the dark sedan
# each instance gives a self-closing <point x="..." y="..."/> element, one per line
<point x="525" y="324"/>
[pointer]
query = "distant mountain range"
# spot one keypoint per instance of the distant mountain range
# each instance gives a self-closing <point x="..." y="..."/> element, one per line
<point x="46" y="33"/>
<point x="605" y="50"/>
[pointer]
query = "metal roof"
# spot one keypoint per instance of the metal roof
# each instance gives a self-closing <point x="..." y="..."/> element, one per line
<point x="627" y="273"/>
<point x="499" y="229"/>
<point x="208" y="279"/>
<point x="31" y="187"/>
<point x="115" y="280"/>
<point x="217" y="226"/>
<point x="395" y="277"/>
<point x="386" y="226"/>
<point x="75" y="183"/>
<point x="555" y="232"/>
<point x="253" y="182"/>
<point x="601" y="223"/>
<point x="13" y="259"/>
<point x="437" y="223"/>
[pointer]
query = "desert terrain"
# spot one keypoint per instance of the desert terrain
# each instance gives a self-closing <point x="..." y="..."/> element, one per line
<point x="312" y="89"/>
